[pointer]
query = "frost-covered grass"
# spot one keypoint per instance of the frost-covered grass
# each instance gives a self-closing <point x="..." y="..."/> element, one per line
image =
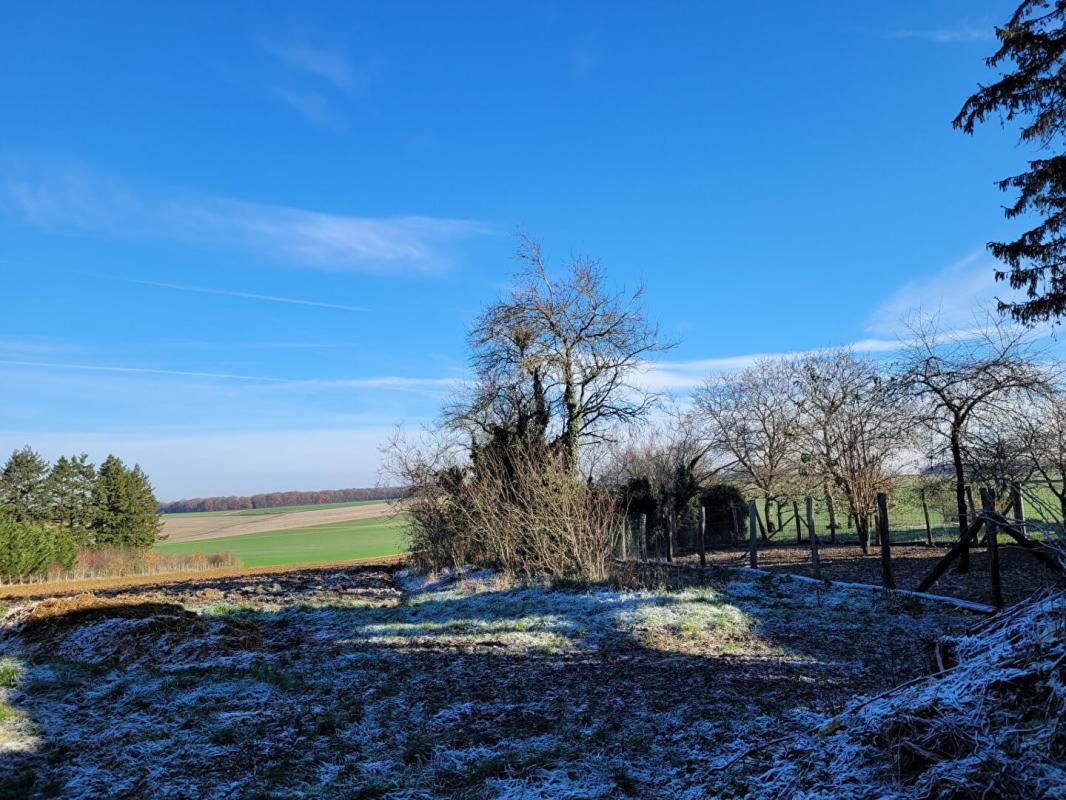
<point x="364" y="685"/>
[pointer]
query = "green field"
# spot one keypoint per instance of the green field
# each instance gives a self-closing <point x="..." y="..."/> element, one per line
<point x="256" y="512"/>
<point x="337" y="541"/>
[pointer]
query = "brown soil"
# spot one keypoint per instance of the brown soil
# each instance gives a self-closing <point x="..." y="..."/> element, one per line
<point x="149" y="583"/>
<point x="1021" y="573"/>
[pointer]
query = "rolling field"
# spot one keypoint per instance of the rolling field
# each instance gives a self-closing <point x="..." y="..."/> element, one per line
<point x="367" y="537"/>
<point x="179" y="528"/>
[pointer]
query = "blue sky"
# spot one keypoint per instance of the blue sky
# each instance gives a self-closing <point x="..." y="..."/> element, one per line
<point x="240" y="243"/>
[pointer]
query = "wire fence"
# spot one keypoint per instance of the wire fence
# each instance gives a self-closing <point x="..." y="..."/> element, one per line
<point x="926" y="531"/>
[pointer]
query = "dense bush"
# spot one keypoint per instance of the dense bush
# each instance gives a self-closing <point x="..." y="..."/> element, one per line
<point x="524" y="513"/>
<point x="722" y="501"/>
<point x="29" y="548"/>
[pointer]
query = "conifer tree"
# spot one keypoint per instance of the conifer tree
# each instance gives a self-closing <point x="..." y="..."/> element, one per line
<point x="70" y="489"/>
<point x="1031" y="91"/>
<point x="124" y="507"/>
<point x="24" y="486"/>
<point x="28" y="548"/>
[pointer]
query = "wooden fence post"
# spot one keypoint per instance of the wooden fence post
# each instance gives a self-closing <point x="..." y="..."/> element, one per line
<point x="703" y="535"/>
<point x="671" y="521"/>
<point x="796" y="514"/>
<point x="753" y="534"/>
<point x="736" y="524"/>
<point x="988" y="507"/>
<point x="815" y="560"/>
<point x="886" y="541"/>
<point x="625" y="536"/>
<point x="643" y="537"/>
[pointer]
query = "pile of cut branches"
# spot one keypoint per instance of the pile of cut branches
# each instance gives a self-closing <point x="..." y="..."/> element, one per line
<point x="989" y="723"/>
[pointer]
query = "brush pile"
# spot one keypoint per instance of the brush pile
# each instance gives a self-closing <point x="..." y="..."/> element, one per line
<point x="989" y="723"/>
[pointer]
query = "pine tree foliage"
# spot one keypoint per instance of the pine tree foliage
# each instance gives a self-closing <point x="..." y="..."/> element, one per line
<point x="24" y="486"/>
<point x="28" y="548"/>
<point x="1033" y="93"/>
<point x="70" y="489"/>
<point x="124" y="507"/>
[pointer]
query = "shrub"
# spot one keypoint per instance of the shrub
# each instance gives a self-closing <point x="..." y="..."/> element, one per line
<point x="113" y="562"/>
<point x="28" y="548"/>
<point x="524" y="512"/>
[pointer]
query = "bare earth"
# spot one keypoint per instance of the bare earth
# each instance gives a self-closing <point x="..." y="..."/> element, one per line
<point x="192" y="528"/>
<point x="150" y="583"/>
<point x="358" y="682"/>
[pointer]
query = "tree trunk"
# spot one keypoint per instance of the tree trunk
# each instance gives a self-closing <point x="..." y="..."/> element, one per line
<point x="753" y="542"/>
<point x="573" y="422"/>
<point x="862" y="527"/>
<point x="928" y="527"/>
<point x="703" y="535"/>
<point x="796" y="514"/>
<point x="832" y="517"/>
<point x="767" y="528"/>
<point x="960" y="500"/>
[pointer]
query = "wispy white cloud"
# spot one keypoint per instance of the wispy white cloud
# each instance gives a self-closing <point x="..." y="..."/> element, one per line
<point x="137" y="370"/>
<point x="33" y="345"/>
<point x="328" y="63"/>
<point x="959" y="297"/>
<point x="81" y="199"/>
<point x="311" y="105"/>
<point x="385" y="382"/>
<point x="962" y="32"/>
<point x="399" y="383"/>
<point x="248" y="296"/>
<point x="952" y="294"/>
<point x="670" y="376"/>
<point x="319" y="78"/>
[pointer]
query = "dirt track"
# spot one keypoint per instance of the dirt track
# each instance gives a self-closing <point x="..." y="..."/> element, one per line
<point x="192" y="528"/>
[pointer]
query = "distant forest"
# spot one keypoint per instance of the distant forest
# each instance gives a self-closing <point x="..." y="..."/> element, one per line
<point x="275" y="499"/>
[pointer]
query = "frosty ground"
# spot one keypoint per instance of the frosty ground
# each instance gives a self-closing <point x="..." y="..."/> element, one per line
<point x="364" y="682"/>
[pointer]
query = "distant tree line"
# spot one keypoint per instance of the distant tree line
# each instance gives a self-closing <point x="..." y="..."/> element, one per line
<point x="48" y="511"/>
<point x="276" y="499"/>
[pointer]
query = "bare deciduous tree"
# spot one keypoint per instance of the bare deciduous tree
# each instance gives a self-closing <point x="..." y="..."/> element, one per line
<point x="751" y="417"/>
<point x="556" y="359"/>
<point x="851" y="429"/>
<point x="674" y="460"/>
<point x="1040" y="431"/>
<point x="959" y="381"/>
